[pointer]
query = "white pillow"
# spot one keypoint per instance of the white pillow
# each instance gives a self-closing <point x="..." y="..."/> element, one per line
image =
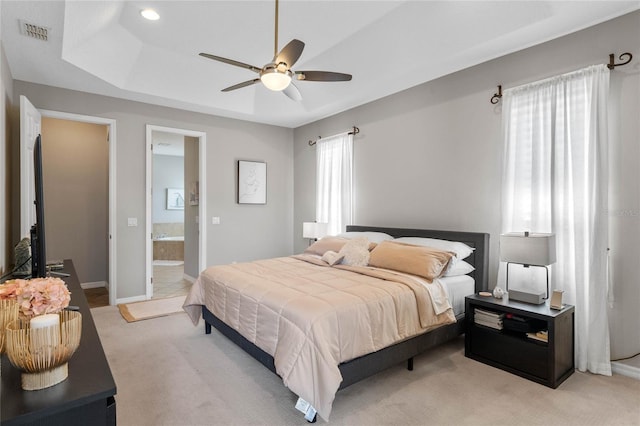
<point x="459" y="267"/>
<point x="331" y="257"/>
<point x="374" y="237"/>
<point x="461" y="250"/>
<point x="356" y="252"/>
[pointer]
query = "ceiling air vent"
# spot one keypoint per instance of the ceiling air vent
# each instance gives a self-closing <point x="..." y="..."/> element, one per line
<point x="34" y="31"/>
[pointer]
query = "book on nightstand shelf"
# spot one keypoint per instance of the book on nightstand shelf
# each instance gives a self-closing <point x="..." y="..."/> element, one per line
<point x="541" y="336"/>
<point x="488" y="318"/>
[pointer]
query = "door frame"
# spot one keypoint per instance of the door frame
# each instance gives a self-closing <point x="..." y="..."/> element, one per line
<point x="30" y="126"/>
<point x="202" y="223"/>
<point x="111" y="140"/>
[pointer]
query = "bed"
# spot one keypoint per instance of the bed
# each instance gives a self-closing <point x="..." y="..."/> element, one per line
<point x="255" y="336"/>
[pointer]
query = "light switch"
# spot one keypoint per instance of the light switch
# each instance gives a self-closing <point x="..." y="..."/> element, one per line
<point x="215" y="220"/>
<point x="197" y="219"/>
<point x="132" y="221"/>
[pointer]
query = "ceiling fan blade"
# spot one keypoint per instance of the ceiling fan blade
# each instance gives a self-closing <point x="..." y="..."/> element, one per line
<point x="290" y="53"/>
<point x="292" y="92"/>
<point x="322" y="76"/>
<point x="231" y="62"/>
<point x="241" y="85"/>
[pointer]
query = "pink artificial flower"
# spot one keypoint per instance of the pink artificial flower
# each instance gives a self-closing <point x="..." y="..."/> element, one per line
<point x="8" y="289"/>
<point x="41" y="296"/>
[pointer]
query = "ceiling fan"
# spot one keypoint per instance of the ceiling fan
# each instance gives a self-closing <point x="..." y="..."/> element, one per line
<point x="277" y="75"/>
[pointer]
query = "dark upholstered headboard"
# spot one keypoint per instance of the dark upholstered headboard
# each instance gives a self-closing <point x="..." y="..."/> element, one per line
<point x="478" y="240"/>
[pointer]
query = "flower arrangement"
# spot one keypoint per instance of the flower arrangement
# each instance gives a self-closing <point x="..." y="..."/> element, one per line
<point x="37" y="296"/>
<point x="8" y="290"/>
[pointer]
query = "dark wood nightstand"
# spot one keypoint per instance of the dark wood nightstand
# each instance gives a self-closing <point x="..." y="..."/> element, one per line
<point x="547" y="362"/>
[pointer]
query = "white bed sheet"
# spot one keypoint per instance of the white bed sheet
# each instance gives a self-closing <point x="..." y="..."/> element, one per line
<point x="457" y="289"/>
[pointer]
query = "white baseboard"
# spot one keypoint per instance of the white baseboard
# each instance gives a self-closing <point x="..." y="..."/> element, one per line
<point x="131" y="299"/>
<point x="94" y="284"/>
<point x="625" y="370"/>
<point x="189" y="278"/>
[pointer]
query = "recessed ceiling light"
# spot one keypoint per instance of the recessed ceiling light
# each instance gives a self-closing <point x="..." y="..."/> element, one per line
<point x="150" y="14"/>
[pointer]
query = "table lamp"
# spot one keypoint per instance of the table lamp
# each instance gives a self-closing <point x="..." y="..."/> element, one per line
<point x="528" y="249"/>
<point x="314" y="230"/>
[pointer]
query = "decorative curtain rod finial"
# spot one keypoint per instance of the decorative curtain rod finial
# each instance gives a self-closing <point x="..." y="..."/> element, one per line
<point x="497" y="96"/>
<point x="611" y="65"/>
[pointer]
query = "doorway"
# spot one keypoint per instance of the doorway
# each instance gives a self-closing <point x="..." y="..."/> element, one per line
<point x="30" y="125"/>
<point x="77" y="200"/>
<point x="175" y="249"/>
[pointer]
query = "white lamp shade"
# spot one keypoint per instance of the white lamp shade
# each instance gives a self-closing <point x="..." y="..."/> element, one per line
<point x="314" y="229"/>
<point x="308" y="229"/>
<point x="533" y="249"/>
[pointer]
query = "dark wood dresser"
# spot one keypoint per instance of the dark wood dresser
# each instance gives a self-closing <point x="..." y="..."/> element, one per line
<point x="86" y="397"/>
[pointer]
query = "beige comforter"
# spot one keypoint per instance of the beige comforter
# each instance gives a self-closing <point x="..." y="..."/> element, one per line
<point x="311" y="317"/>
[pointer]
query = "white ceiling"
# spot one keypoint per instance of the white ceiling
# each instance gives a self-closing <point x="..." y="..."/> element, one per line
<point x="106" y="47"/>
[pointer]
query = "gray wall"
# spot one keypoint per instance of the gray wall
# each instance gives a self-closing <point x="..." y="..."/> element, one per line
<point x="168" y="172"/>
<point x="76" y="192"/>
<point x="6" y="95"/>
<point x="431" y="156"/>
<point x="191" y="219"/>
<point x="268" y="227"/>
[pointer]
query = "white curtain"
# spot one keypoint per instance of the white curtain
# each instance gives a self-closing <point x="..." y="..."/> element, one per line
<point x="555" y="179"/>
<point x="334" y="185"/>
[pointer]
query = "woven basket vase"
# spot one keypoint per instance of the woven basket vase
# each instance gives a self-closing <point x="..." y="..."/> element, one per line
<point x="42" y="354"/>
<point x="8" y="313"/>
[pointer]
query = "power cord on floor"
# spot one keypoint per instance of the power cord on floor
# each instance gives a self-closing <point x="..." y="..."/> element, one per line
<point x="624" y="359"/>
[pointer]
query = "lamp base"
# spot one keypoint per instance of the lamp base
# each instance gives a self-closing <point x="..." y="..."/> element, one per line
<point x="522" y="296"/>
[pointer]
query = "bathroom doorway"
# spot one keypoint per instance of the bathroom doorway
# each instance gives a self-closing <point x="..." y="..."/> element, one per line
<point x="173" y="211"/>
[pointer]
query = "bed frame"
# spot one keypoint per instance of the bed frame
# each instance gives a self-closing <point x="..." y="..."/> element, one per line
<point x="370" y="364"/>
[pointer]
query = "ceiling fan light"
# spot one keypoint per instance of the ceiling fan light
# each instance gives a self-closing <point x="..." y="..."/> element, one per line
<point x="275" y="80"/>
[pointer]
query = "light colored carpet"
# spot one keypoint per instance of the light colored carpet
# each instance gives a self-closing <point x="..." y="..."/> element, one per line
<point x="169" y="372"/>
<point x="154" y="308"/>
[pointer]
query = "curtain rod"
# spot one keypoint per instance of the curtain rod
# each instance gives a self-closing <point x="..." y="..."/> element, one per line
<point x="354" y="131"/>
<point x="611" y="65"/>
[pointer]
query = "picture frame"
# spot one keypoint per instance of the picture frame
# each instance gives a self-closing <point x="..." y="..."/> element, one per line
<point x="252" y="182"/>
<point x="175" y="198"/>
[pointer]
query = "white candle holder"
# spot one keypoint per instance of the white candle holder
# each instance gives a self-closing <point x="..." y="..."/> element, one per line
<point x="42" y="353"/>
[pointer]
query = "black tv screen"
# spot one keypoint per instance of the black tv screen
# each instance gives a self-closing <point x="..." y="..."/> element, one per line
<point x="38" y="252"/>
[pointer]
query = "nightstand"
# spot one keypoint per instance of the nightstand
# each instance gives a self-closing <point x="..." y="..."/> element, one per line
<point x="508" y="338"/>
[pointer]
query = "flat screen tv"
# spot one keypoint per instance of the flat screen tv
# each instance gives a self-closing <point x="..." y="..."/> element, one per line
<point x="38" y="252"/>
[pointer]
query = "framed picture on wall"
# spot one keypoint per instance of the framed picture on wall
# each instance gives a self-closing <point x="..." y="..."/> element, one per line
<point x="252" y="182"/>
<point x="175" y="198"/>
